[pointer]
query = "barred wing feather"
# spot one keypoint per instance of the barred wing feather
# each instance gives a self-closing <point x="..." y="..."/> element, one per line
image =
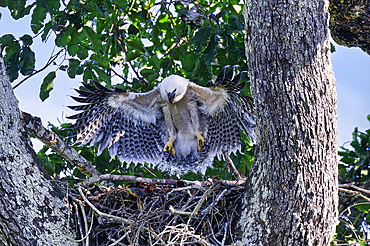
<point x="229" y="112"/>
<point x="130" y="124"/>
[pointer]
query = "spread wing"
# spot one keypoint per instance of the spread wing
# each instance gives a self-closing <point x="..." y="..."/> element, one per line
<point x="229" y="112"/>
<point x="130" y="124"/>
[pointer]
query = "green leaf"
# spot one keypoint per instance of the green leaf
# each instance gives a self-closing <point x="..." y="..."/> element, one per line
<point x="146" y="71"/>
<point x="368" y="117"/>
<point x="17" y="9"/>
<point x="102" y="75"/>
<point x="64" y="37"/>
<point x="132" y="55"/>
<point x="53" y="5"/>
<point x="121" y="3"/>
<point x="360" y="162"/>
<point x="47" y="85"/>
<point x="342" y="170"/>
<point x="135" y="44"/>
<point x="189" y="61"/>
<point x="13" y="65"/>
<point x="63" y="67"/>
<point x="154" y="61"/>
<point x="100" y="59"/>
<point x="93" y="36"/>
<point x="363" y="208"/>
<point x="201" y="38"/>
<point x="27" y="62"/>
<point x="73" y="46"/>
<point x="234" y="23"/>
<point x="368" y="218"/>
<point x="332" y="48"/>
<point x="236" y="9"/>
<point x="132" y="30"/>
<point x="73" y="67"/>
<point x="27" y="39"/>
<point x="46" y="30"/>
<point x="82" y="52"/>
<point x="11" y="49"/>
<point x="221" y="14"/>
<point x="88" y="74"/>
<point x="152" y="77"/>
<point x="6" y="39"/>
<point x="210" y="51"/>
<point x="38" y="16"/>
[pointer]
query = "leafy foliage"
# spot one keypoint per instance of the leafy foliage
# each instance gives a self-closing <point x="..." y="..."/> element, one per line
<point x="354" y="167"/>
<point x="147" y="39"/>
<point x="354" y="164"/>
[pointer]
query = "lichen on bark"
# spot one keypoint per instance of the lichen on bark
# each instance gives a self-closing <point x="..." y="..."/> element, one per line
<point x="292" y="190"/>
<point x="32" y="210"/>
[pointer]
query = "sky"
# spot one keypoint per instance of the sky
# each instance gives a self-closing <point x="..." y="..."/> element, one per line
<point x="351" y="67"/>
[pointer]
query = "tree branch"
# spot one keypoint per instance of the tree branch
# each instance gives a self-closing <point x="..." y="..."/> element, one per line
<point x="97" y="179"/>
<point x="50" y="61"/>
<point x="53" y="141"/>
<point x="355" y="192"/>
<point x="123" y="78"/>
<point x="125" y="221"/>
<point x="231" y="164"/>
<point x="112" y="177"/>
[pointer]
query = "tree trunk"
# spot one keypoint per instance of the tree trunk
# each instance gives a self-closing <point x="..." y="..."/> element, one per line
<point x="32" y="211"/>
<point x="292" y="189"/>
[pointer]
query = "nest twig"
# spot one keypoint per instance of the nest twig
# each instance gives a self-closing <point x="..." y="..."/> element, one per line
<point x="160" y="214"/>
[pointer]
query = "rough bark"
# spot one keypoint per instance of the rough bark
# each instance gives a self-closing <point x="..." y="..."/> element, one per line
<point x="292" y="189"/>
<point x="350" y="23"/>
<point x="32" y="210"/>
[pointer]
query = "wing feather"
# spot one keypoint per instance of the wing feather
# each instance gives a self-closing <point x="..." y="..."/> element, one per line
<point x="90" y="88"/>
<point x="130" y="124"/>
<point x="79" y="107"/>
<point x="221" y="76"/>
<point x="228" y="111"/>
<point x="86" y="93"/>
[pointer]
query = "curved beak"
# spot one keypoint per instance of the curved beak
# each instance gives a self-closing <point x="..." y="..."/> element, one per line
<point x="171" y="96"/>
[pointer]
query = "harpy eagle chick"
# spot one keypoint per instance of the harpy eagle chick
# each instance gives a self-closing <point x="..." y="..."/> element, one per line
<point x="178" y="126"/>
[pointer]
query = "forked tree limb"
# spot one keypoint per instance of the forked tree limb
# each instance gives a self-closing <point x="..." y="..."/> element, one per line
<point x="53" y="141"/>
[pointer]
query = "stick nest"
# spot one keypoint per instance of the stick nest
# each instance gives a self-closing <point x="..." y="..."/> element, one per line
<point x="143" y="214"/>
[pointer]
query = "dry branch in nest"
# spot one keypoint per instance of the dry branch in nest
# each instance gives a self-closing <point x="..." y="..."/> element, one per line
<point x="155" y="214"/>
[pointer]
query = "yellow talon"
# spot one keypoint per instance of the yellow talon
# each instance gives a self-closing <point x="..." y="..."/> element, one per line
<point x="169" y="146"/>
<point x="200" y="141"/>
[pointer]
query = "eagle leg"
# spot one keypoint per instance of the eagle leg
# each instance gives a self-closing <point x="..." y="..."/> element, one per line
<point x="169" y="146"/>
<point x="200" y="141"/>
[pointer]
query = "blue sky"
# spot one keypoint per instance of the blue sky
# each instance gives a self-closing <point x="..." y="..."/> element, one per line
<point x="351" y="67"/>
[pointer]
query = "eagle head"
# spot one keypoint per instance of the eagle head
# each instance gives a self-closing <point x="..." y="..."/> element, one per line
<point x="173" y="88"/>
